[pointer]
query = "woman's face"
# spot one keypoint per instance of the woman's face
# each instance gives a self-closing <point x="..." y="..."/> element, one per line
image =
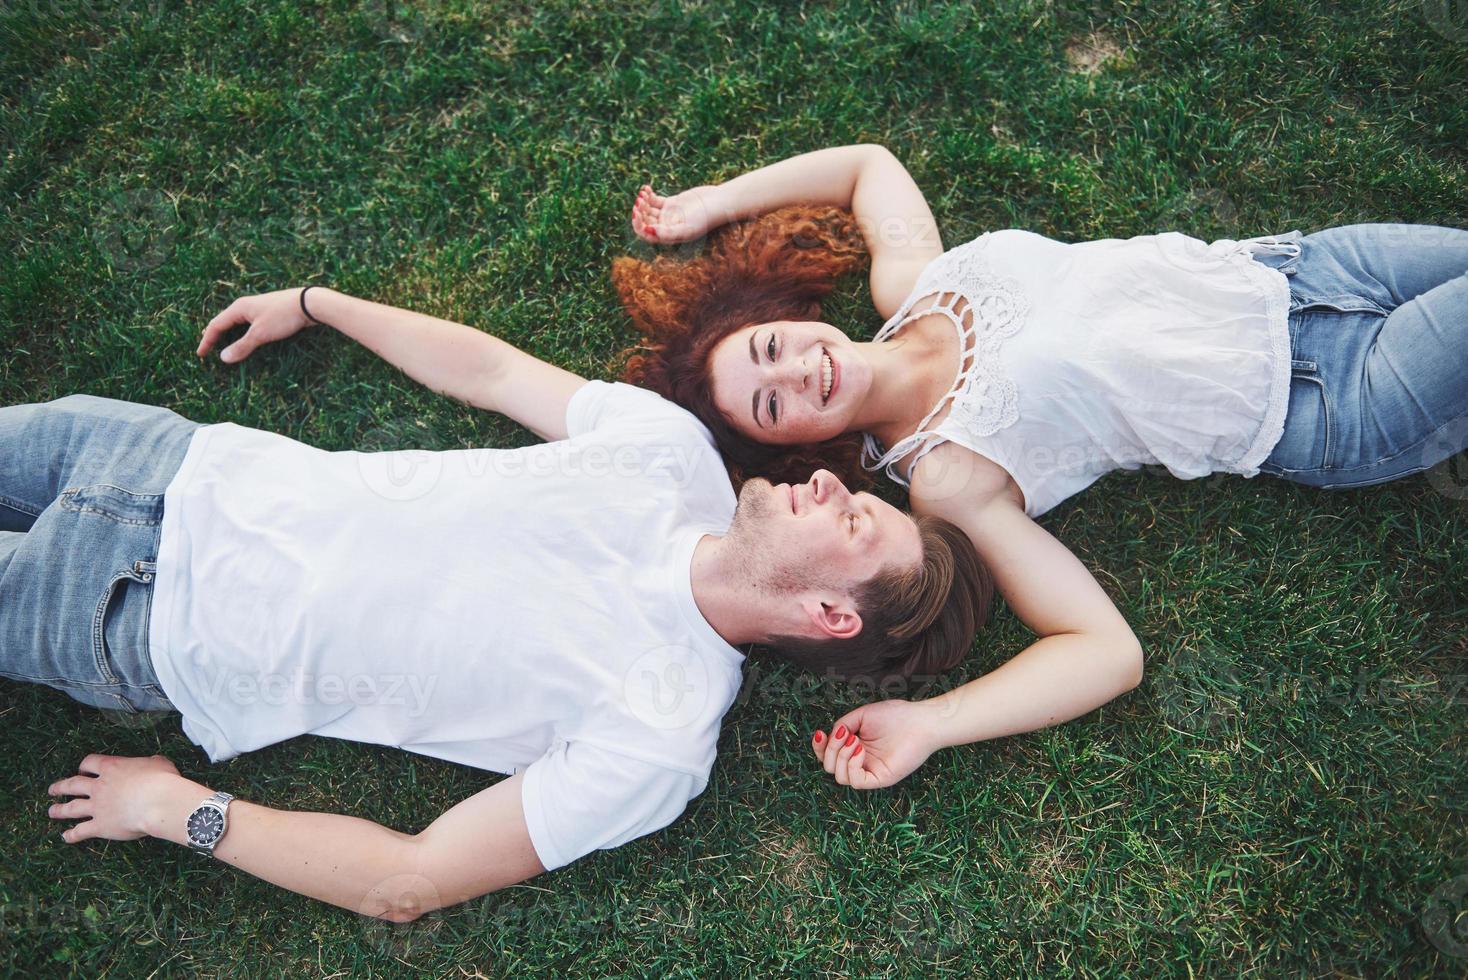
<point x="789" y="382"/>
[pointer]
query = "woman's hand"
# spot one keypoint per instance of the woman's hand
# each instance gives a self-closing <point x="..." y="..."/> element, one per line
<point x="680" y="218"/>
<point x="112" y="796"/>
<point x="878" y="744"/>
<point x="271" y="316"/>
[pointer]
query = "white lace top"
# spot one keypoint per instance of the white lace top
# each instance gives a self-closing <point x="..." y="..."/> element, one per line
<point x="1078" y="359"/>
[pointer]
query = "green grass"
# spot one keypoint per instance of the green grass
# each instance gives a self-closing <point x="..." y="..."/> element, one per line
<point x="1283" y="796"/>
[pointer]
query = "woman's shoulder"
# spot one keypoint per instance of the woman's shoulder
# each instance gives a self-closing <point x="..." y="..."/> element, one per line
<point x="950" y="475"/>
<point x="983" y="261"/>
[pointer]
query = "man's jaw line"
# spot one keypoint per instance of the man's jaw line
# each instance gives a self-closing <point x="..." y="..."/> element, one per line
<point x="733" y="606"/>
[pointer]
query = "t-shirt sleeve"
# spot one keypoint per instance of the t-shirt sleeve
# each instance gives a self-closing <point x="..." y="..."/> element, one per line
<point x="580" y="798"/>
<point x="600" y="403"/>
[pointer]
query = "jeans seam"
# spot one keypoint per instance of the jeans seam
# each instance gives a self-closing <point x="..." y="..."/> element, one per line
<point x="99" y="619"/>
<point x="67" y="681"/>
<point x="1325" y="457"/>
<point x="1383" y="461"/>
<point x="68" y="496"/>
<point x="1340" y="305"/>
<point x="19" y="505"/>
<point x="155" y="689"/>
<point x="98" y="640"/>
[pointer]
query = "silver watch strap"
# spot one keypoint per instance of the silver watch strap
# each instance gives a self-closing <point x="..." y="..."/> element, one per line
<point x="220" y="801"/>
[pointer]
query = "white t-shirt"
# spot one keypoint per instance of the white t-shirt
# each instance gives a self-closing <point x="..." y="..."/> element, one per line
<point x="505" y="609"/>
<point x="1089" y="357"/>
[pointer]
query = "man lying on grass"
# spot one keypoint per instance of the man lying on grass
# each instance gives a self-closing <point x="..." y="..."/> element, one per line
<point x="565" y="612"/>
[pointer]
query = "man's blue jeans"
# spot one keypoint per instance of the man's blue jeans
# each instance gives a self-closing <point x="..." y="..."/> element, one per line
<point x="81" y="501"/>
<point x="1379" y="343"/>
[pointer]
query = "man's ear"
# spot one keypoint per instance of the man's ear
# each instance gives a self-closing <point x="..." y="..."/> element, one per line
<point x="832" y="620"/>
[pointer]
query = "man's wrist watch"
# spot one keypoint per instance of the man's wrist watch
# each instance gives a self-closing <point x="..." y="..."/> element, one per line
<point x="206" y="825"/>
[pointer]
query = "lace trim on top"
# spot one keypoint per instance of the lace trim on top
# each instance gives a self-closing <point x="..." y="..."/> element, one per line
<point x="985" y="310"/>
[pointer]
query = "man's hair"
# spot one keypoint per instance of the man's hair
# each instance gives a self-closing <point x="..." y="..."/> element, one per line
<point x="915" y="620"/>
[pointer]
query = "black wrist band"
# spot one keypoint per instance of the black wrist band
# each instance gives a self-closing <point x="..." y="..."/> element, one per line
<point x="306" y="311"/>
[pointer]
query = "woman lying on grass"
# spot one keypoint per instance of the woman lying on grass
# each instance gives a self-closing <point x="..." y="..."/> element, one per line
<point x="1013" y="371"/>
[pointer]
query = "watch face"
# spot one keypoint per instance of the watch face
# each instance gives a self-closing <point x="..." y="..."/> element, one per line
<point x="205" y="825"/>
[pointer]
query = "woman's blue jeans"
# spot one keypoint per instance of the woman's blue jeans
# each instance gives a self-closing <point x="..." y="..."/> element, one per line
<point x="81" y="501"/>
<point x="1379" y="344"/>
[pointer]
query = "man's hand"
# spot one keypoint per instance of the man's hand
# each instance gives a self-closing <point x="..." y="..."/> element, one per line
<point x="271" y="316"/>
<point x="680" y="218"/>
<point x="878" y="744"/>
<point x="113" y="796"/>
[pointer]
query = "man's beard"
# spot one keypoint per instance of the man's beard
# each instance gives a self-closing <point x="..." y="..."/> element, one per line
<point x="756" y="555"/>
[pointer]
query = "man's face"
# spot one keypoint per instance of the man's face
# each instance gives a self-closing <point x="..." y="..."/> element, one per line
<point x="814" y="537"/>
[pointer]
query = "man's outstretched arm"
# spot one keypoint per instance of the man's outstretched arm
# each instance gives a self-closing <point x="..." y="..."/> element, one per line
<point x="478" y="846"/>
<point x="451" y="358"/>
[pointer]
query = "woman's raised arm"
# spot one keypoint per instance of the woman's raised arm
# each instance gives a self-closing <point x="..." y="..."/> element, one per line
<point x="1085" y="656"/>
<point x="868" y="179"/>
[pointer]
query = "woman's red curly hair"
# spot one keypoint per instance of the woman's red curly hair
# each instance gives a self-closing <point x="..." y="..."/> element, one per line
<point x="779" y="266"/>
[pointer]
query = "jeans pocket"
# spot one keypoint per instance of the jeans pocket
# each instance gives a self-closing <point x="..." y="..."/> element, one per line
<point x="141" y="572"/>
<point x="1307" y="442"/>
<point x="115" y="503"/>
<point x="1343" y="303"/>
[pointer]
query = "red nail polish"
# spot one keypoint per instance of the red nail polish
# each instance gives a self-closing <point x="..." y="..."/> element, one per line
<point x="839" y="733"/>
<point x="851" y="738"/>
<point x="820" y="737"/>
<point x="858" y="751"/>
